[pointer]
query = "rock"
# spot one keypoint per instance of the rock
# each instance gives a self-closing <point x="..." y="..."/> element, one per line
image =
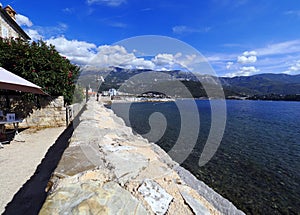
<point x="217" y="201"/>
<point x="122" y="202"/>
<point x="163" y="156"/>
<point x="103" y="175"/>
<point x="155" y="196"/>
<point x="126" y="164"/>
<point x="197" y="207"/>
<point x="90" y="206"/>
<point x="79" y="158"/>
<point x="113" y="148"/>
<point x="91" y="197"/>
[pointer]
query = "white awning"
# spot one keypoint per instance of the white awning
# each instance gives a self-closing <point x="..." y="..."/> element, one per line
<point x="10" y="81"/>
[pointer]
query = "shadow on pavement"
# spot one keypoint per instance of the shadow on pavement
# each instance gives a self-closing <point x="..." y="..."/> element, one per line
<point x="32" y="195"/>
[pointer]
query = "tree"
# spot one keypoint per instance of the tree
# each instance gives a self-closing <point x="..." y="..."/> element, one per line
<point x="41" y="64"/>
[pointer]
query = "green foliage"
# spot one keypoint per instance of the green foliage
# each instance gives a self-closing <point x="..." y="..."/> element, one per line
<point x="41" y="64"/>
<point x="78" y="94"/>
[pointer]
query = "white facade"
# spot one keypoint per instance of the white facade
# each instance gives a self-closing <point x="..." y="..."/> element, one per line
<point x="6" y="30"/>
<point x="112" y="92"/>
<point x="8" y="26"/>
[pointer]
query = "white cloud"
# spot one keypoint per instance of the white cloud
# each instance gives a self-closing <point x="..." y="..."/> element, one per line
<point x="141" y="63"/>
<point x="247" y="57"/>
<point x="221" y="57"/>
<point x="181" y="29"/>
<point x="118" y="56"/>
<point x="34" y="34"/>
<point x="164" y="59"/>
<point x="187" y="62"/>
<point x="246" y="60"/>
<point x="38" y="32"/>
<point x="232" y="45"/>
<point x="249" y="70"/>
<point x="113" y="56"/>
<point x="84" y="53"/>
<point x="293" y="12"/>
<point x="295" y="68"/>
<point x="244" y="71"/>
<point x="250" y="53"/>
<point x="287" y="47"/>
<point x="271" y="58"/>
<point x="229" y="65"/>
<point x="23" y="20"/>
<point x="111" y="3"/>
<point x="68" y="10"/>
<point x="118" y="24"/>
<point x="78" y="52"/>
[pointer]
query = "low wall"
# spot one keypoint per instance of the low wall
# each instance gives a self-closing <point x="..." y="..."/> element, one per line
<point x="52" y="115"/>
<point x="108" y="170"/>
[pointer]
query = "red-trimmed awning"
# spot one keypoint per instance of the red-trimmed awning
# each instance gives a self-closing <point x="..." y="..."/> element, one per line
<point x="10" y="81"/>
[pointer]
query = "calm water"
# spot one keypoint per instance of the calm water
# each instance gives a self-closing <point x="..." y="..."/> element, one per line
<point x="257" y="164"/>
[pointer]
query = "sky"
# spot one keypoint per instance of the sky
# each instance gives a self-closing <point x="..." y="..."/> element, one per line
<point x="237" y="37"/>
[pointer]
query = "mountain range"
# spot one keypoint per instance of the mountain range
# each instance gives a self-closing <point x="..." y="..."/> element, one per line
<point x="259" y="86"/>
<point x="264" y="84"/>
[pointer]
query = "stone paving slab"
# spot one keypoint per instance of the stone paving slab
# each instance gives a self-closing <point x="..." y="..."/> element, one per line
<point x="84" y="196"/>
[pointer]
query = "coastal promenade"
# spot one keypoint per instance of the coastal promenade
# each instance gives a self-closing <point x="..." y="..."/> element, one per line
<point x="19" y="160"/>
<point x="108" y="170"/>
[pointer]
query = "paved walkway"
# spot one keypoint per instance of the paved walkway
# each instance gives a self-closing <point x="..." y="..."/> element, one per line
<point x="19" y="160"/>
<point x="108" y="170"/>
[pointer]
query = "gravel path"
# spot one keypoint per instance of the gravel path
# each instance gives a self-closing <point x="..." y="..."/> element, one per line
<point x="19" y="160"/>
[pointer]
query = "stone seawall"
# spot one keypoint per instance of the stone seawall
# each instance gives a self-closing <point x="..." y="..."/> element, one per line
<point x="108" y="170"/>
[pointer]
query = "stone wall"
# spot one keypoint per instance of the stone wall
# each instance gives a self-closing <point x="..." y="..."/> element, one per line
<point x="51" y="115"/>
<point x="108" y="170"/>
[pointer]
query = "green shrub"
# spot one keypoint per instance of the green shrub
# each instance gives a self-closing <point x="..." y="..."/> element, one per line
<point x="41" y="64"/>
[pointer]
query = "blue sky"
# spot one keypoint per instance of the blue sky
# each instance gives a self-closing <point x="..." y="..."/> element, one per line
<point x="238" y="37"/>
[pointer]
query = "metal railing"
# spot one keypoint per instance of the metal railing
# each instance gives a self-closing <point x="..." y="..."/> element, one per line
<point x="72" y="111"/>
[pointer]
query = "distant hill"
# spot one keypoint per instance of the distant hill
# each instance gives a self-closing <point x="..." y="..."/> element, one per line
<point x="262" y="84"/>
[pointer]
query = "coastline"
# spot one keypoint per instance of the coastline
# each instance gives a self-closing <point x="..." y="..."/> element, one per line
<point x="134" y="99"/>
<point x="104" y="151"/>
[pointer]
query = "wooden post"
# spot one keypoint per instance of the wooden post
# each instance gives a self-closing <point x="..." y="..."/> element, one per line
<point x="67" y="116"/>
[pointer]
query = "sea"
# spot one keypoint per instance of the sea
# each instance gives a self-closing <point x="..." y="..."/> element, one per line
<point x="256" y="165"/>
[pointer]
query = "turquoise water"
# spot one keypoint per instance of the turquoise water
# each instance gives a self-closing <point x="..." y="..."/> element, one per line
<point x="257" y="163"/>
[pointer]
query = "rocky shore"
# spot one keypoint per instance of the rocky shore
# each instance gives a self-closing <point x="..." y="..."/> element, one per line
<point x="108" y="170"/>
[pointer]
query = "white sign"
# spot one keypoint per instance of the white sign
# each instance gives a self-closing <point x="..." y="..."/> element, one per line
<point x="10" y="117"/>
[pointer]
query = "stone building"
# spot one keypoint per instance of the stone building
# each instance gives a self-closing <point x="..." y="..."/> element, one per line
<point x="8" y="25"/>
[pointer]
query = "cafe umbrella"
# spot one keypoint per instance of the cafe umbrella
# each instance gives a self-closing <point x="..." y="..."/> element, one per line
<point x="10" y="81"/>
